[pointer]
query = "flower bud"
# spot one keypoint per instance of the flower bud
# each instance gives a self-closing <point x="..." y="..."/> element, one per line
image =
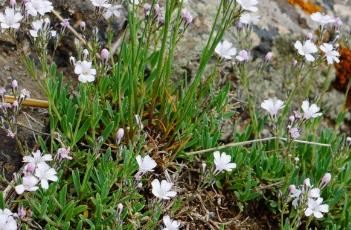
<point x="2" y="91"/>
<point x="29" y="169"/>
<point x="147" y="8"/>
<point x="104" y="54"/>
<point x="12" y="3"/>
<point x="82" y="25"/>
<point x="294" y="63"/>
<point x="119" y="135"/>
<point x="72" y="60"/>
<point x="292" y="188"/>
<point x="85" y="54"/>
<point x="307" y="182"/>
<point x="65" y="23"/>
<point x="310" y="36"/>
<point x="348" y="140"/>
<point x="269" y="56"/>
<point x="325" y="180"/>
<point x="21" y="213"/>
<point x="14" y="84"/>
<point x="186" y="16"/>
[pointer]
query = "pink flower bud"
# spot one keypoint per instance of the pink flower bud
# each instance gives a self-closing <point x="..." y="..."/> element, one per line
<point x="104" y="54"/>
<point x="310" y="36"/>
<point x="29" y="169"/>
<point x="269" y="56"/>
<point x="15" y="104"/>
<point x="325" y="180"/>
<point x="2" y="91"/>
<point x="294" y="63"/>
<point x="147" y="8"/>
<point x="307" y="182"/>
<point x="82" y="25"/>
<point x="292" y="118"/>
<point x="119" y="135"/>
<point x="186" y="16"/>
<point x="292" y="188"/>
<point x="12" y="3"/>
<point x="14" y="84"/>
<point x="21" y="213"/>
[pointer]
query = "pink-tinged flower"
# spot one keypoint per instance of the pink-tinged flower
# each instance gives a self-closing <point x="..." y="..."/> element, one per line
<point x="306" y="49"/>
<point x="325" y="180"/>
<point x="225" y="50"/>
<point x="37" y="158"/>
<point x="249" y="5"/>
<point x="146" y="164"/>
<point x="85" y="71"/>
<point x="272" y="106"/>
<point x="45" y="174"/>
<point x="316" y="208"/>
<point x="310" y="111"/>
<point x="186" y="16"/>
<point x="41" y="7"/>
<point x="7" y="220"/>
<point x="243" y="56"/>
<point x="294" y="133"/>
<point x="322" y="19"/>
<point x="29" y="169"/>
<point x="29" y="183"/>
<point x="222" y="162"/>
<point x="330" y="53"/>
<point x="170" y="224"/>
<point x="10" y="19"/>
<point x="147" y="8"/>
<point x="100" y="3"/>
<point x="64" y="153"/>
<point x="163" y="189"/>
<point x="65" y="23"/>
<point x="119" y="135"/>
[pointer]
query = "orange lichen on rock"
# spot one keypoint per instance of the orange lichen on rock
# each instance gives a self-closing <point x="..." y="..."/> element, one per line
<point x="306" y="6"/>
<point x="343" y="73"/>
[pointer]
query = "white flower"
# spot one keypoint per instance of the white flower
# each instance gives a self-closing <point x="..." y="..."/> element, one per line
<point x="322" y="19"/>
<point x="247" y="18"/>
<point x="314" y="193"/>
<point x="45" y="174"/>
<point x="114" y="10"/>
<point x="29" y="183"/>
<point x="295" y="194"/>
<point x="306" y="49"/>
<point x="331" y="54"/>
<point x="170" y="224"/>
<point x="10" y="19"/>
<point x="35" y="7"/>
<point x="272" y="106"/>
<point x="100" y="3"/>
<point x="222" y="162"/>
<point x="225" y="50"/>
<point x="249" y="5"/>
<point x="7" y="222"/>
<point x="310" y="111"/>
<point x="85" y="71"/>
<point x="37" y="158"/>
<point x="146" y="164"/>
<point x="36" y="26"/>
<point x="162" y="190"/>
<point x="316" y="208"/>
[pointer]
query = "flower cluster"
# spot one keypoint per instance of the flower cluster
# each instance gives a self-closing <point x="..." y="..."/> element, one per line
<point x="308" y="198"/>
<point x="308" y="49"/>
<point x="36" y="170"/>
<point x="10" y="107"/>
<point x="297" y="119"/>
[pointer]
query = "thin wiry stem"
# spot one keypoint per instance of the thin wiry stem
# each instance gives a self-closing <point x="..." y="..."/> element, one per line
<point x="255" y="141"/>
